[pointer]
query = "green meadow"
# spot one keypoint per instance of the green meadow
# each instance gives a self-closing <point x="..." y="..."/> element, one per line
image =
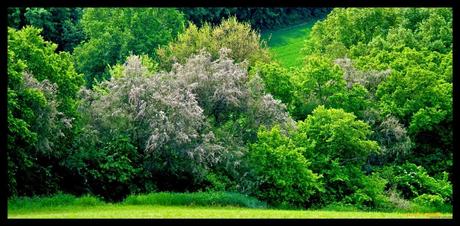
<point x="182" y="205"/>
<point x="286" y="44"/>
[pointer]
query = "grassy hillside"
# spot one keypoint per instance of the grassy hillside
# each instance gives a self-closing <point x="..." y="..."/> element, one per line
<point x="286" y="44"/>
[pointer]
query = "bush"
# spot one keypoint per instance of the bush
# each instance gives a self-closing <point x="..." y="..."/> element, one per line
<point x="113" y="34"/>
<point x="395" y="201"/>
<point x="87" y="200"/>
<point x="432" y="201"/>
<point x="342" y="145"/>
<point x="197" y="198"/>
<point x="338" y="135"/>
<point x="260" y="18"/>
<point x="244" y="43"/>
<point x="276" y="80"/>
<point x="59" y="199"/>
<point x="108" y="171"/>
<point x="370" y="193"/>
<point x="281" y="172"/>
<point x="217" y="182"/>
<point x="413" y="181"/>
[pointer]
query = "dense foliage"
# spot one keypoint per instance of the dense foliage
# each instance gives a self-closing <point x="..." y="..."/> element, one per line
<point x="283" y="175"/>
<point x="259" y="18"/>
<point x="60" y="25"/>
<point x="243" y="43"/>
<point x="114" y="34"/>
<point x="42" y="110"/>
<point x="174" y="105"/>
<point x="415" y="45"/>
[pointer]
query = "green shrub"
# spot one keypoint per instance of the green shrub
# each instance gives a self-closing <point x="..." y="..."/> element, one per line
<point x="413" y="181"/>
<point x="371" y="194"/>
<point x="52" y="201"/>
<point x="434" y="201"/>
<point x="217" y="182"/>
<point x="244" y="43"/>
<point x="281" y="172"/>
<point x="276" y="80"/>
<point x="109" y="171"/>
<point x="197" y="198"/>
<point x="87" y="200"/>
<point x="342" y="145"/>
<point x="338" y="135"/>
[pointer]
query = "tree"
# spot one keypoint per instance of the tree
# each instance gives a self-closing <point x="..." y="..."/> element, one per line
<point x="244" y="43"/>
<point x="113" y="34"/>
<point x="338" y="134"/>
<point x="342" y="146"/>
<point x="422" y="100"/>
<point x="412" y="48"/>
<point x="282" y="174"/>
<point x="170" y="117"/>
<point x="260" y="18"/>
<point x="316" y="82"/>
<point x="160" y="116"/>
<point x="44" y="63"/>
<point x="277" y="81"/>
<point x="42" y="116"/>
<point x="60" y="25"/>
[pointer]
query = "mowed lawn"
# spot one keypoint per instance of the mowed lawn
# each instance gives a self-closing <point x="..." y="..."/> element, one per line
<point x="156" y="211"/>
<point x="285" y="44"/>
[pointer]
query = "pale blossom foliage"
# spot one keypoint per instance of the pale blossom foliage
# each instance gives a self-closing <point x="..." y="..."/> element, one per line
<point x="369" y="79"/>
<point x="166" y="113"/>
<point x="393" y="138"/>
<point x="49" y="121"/>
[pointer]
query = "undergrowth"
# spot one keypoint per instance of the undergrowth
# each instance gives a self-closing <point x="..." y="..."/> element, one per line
<point x="161" y="198"/>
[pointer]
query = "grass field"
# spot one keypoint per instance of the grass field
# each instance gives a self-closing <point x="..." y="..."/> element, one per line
<point x="180" y="205"/>
<point x="148" y="211"/>
<point x="285" y="44"/>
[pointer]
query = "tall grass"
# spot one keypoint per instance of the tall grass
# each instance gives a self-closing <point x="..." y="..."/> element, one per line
<point x="53" y="201"/>
<point x="195" y="199"/>
<point x="162" y="198"/>
<point x="205" y="199"/>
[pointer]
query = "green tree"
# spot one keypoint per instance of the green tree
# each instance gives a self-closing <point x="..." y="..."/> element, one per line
<point x="244" y="43"/>
<point x="44" y="63"/>
<point x="60" y="25"/>
<point x="114" y="34"/>
<point x="42" y="111"/>
<point x="342" y="146"/>
<point x="316" y="82"/>
<point x="415" y="47"/>
<point x="338" y="135"/>
<point x="277" y="80"/>
<point x="260" y="18"/>
<point x="282" y="174"/>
